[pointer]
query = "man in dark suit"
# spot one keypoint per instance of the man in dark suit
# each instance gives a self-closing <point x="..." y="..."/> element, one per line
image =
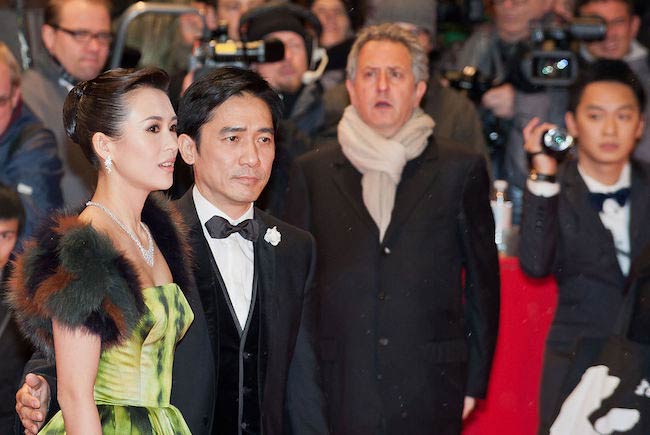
<point x="251" y="341"/>
<point x="398" y="217"/>
<point x="586" y="221"/>
<point x="253" y="271"/>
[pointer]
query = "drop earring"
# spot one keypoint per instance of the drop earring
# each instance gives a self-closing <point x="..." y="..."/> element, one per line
<point x="108" y="164"/>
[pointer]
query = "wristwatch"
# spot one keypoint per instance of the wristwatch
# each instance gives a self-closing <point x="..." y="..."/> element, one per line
<point x="536" y="176"/>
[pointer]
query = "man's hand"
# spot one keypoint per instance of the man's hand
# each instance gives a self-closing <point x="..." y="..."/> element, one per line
<point x="468" y="406"/>
<point x="501" y="101"/>
<point x="541" y="162"/>
<point x="32" y="402"/>
<point x="563" y="8"/>
<point x="191" y="25"/>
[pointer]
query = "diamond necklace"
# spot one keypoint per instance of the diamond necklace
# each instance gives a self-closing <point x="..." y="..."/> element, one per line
<point x="147" y="254"/>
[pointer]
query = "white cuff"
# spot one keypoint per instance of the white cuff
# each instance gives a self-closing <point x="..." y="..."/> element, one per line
<point x="544" y="189"/>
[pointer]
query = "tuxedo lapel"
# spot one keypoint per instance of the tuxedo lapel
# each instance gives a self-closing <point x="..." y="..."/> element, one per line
<point x="265" y="258"/>
<point x="586" y="218"/>
<point x="418" y="176"/>
<point x="203" y="262"/>
<point x="639" y="209"/>
<point x="348" y="181"/>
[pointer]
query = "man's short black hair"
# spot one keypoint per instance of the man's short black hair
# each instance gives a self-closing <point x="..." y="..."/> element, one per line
<point x="11" y="207"/>
<point x="197" y="105"/>
<point x="629" y="3"/>
<point x="606" y="70"/>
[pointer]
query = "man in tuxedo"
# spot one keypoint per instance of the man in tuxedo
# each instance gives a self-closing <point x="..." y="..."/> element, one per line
<point x="398" y="215"/>
<point x="253" y="271"/>
<point x="585" y="221"/>
<point x="251" y="340"/>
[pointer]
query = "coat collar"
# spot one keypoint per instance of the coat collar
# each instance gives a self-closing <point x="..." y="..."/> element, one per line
<point x="417" y="177"/>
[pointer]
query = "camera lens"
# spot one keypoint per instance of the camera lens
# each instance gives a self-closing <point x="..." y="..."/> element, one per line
<point x="557" y="140"/>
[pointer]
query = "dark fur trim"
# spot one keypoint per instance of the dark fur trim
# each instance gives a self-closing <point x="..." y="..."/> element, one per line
<point x="74" y="274"/>
<point x="171" y="235"/>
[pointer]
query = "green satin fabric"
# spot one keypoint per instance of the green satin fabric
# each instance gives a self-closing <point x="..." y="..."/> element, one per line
<point x="134" y="379"/>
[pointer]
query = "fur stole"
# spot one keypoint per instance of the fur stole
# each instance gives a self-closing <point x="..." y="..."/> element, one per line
<point x="71" y="272"/>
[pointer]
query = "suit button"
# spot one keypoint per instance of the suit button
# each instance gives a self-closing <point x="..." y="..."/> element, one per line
<point x="247" y="390"/>
<point x="383" y="341"/>
<point x="404" y="414"/>
<point x="244" y="425"/>
<point x="381" y="296"/>
<point x="386" y="250"/>
<point x="380" y="377"/>
<point x="246" y="355"/>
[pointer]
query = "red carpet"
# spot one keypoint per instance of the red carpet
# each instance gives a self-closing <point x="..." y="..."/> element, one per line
<point x="527" y="307"/>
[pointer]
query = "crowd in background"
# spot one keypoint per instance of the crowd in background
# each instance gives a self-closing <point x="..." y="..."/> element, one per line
<point x="484" y="110"/>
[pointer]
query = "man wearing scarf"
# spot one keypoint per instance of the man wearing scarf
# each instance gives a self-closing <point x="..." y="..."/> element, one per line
<point x="407" y="276"/>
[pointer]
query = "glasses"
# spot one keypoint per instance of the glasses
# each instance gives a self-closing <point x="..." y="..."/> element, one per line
<point x="514" y="2"/>
<point x="84" y="36"/>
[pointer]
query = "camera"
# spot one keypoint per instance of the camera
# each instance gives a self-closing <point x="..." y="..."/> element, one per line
<point x="551" y="61"/>
<point x="557" y="141"/>
<point x="217" y="51"/>
<point x="470" y="81"/>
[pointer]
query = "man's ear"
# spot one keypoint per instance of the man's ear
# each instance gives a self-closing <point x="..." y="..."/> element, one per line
<point x="350" y="87"/>
<point x="187" y="148"/>
<point x="636" y="24"/>
<point x="640" y="127"/>
<point x="48" y="35"/>
<point x="15" y="97"/>
<point x="420" y="89"/>
<point x="571" y="124"/>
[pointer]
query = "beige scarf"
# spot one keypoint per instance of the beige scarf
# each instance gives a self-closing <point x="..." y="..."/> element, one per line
<point x="382" y="160"/>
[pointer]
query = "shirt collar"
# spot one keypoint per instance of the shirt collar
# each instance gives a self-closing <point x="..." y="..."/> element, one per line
<point x="637" y="51"/>
<point x="205" y="209"/>
<point x="624" y="180"/>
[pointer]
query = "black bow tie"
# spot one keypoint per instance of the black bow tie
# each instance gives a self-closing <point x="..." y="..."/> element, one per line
<point x="597" y="199"/>
<point x="220" y="228"/>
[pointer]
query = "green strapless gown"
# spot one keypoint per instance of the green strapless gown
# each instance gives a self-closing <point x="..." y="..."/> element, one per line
<point x="134" y="379"/>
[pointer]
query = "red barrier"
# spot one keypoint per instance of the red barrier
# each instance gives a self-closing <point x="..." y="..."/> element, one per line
<point x="527" y="307"/>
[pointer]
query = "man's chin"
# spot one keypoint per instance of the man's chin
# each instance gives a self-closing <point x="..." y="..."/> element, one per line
<point x="289" y="87"/>
<point x="88" y="73"/>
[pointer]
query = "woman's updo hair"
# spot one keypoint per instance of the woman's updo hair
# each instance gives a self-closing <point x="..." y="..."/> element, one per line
<point x="98" y="105"/>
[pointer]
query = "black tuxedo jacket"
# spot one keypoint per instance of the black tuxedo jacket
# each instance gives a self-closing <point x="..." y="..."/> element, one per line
<point x="402" y="341"/>
<point x="564" y="235"/>
<point x="291" y="397"/>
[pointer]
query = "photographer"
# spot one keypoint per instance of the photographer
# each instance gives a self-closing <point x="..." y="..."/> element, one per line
<point x="296" y="79"/>
<point x="496" y="50"/>
<point x="619" y="43"/>
<point x="584" y="221"/>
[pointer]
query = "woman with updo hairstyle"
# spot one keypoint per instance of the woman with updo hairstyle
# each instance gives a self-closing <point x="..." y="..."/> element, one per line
<point x="100" y="292"/>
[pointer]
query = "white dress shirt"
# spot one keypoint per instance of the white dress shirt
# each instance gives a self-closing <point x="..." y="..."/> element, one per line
<point x="234" y="256"/>
<point x="614" y="217"/>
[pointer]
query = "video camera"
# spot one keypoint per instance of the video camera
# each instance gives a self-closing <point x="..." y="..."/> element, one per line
<point x="547" y="58"/>
<point x="217" y="50"/>
<point x="551" y="62"/>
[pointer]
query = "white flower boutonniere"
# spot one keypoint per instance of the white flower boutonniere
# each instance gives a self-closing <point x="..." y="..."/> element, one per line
<point x="273" y="236"/>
